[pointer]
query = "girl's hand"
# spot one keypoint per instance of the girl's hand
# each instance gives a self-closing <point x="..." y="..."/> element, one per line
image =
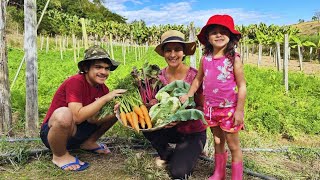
<point x="184" y="98"/>
<point x="238" y="118"/>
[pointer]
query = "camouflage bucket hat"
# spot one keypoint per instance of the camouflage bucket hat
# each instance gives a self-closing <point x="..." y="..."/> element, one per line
<point x="97" y="53"/>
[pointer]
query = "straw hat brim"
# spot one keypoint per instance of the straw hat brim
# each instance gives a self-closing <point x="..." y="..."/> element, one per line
<point x="190" y="47"/>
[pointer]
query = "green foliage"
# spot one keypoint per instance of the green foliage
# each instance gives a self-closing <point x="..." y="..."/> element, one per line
<point x="268" y="109"/>
<point x="15" y="18"/>
<point x="60" y="14"/>
<point x="304" y="154"/>
<point x="169" y="109"/>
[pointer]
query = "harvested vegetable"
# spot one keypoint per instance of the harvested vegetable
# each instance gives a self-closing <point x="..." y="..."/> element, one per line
<point x="169" y="109"/>
<point x="147" y="81"/>
<point x="146" y="115"/>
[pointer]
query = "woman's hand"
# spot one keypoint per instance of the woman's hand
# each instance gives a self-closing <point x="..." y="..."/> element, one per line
<point x="238" y="118"/>
<point x="116" y="108"/>
<point x="172" y="124"/>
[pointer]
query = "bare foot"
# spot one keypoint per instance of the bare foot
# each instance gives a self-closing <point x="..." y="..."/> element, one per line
<point x="66" y="159"/>
<point x="160" y="163"/>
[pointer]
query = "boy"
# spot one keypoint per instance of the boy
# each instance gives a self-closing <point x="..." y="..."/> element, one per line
<point x="70" y="122"/>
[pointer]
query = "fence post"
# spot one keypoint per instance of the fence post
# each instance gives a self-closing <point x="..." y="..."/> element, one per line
<point x="193" y="62"/>
<point x="5" y="104"/>
<point x="30" y="48"/>
<point x="285" y="62"/>
<point x="84" y="33"/>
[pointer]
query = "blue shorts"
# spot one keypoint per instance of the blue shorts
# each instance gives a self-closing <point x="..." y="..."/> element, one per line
<point x="84" y="131"/>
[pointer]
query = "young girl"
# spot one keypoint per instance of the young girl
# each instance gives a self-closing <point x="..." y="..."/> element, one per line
<point x="224" y="89"/>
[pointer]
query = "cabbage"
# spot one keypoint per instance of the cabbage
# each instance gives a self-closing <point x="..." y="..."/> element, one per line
<point x="170" y="109"/>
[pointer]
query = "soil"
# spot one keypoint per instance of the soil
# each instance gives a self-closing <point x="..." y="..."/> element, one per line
<point x="309" y="68"/>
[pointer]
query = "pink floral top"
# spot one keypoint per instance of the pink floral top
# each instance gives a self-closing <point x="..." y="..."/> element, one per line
<point x="186" y="127"/>
<point x="219" y="85"/>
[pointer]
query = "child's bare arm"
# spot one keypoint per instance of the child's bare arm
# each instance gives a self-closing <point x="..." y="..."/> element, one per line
<point x="195" y="85"/>
<point x="242" y="90"/>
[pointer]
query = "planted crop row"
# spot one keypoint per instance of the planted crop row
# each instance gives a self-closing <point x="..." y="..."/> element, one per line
<point x="268" y="109"/>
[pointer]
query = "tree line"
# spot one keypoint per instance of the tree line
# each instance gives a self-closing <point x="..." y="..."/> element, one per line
<point x="60" y="12"/>
<point x="63" y="17"/>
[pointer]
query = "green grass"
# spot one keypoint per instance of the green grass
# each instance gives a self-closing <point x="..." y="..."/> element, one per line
<point x="268" y="108"/>
<point x="273" y="119"/>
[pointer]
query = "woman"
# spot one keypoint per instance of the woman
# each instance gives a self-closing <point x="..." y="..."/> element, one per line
<point x="189" y="136"/>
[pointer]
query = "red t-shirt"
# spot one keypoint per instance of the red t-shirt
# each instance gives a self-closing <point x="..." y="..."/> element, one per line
<point x="75" y="89"/>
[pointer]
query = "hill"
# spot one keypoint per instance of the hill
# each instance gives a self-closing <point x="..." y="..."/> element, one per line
<point x="308" y="28"/>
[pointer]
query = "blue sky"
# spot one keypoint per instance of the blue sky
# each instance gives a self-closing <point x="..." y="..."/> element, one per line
<point x="278" y="12"/>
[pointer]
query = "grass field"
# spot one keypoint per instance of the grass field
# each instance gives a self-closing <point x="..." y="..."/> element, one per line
<point x="274" y="120"/>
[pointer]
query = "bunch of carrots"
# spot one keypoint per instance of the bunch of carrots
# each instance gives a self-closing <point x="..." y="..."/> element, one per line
<point x="134" y="113"/>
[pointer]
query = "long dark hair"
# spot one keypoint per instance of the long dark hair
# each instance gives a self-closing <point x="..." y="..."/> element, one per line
<point x="229" y="51"/>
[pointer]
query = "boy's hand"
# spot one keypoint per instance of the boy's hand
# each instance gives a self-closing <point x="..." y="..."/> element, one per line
<point x="115" y="93"/>
<point x="238" y="118"/>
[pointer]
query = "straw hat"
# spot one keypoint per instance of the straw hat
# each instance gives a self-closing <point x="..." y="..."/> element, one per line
<point x="175" y="36"/>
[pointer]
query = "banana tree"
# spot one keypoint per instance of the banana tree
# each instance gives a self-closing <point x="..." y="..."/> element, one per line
<point x="317" y="46"/>
<point x="310" y="45"/>
<point x="261" y="39"/>
<point x="278" y="38"/>
<point x="298" y="44"/>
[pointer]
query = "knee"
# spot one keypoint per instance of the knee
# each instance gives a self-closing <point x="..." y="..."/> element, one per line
<point x="219" y="140"/>
<point x="234" y="146"/>
<point x="62" y="117"/>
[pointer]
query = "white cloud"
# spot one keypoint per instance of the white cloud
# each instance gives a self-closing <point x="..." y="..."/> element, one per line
<point x="182" y="13"/>
<point x="118" y="5"/>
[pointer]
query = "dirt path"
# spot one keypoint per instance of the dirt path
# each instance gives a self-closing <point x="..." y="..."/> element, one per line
<point x="310" y="68"/>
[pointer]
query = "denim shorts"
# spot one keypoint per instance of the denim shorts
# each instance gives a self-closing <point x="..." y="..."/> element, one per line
<point x="84" y="131"/>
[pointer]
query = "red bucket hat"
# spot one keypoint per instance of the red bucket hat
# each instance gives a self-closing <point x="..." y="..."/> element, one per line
<point x="223" y="20"/>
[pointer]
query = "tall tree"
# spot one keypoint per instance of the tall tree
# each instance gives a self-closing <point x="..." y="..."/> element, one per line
<point x="5" y="105"/>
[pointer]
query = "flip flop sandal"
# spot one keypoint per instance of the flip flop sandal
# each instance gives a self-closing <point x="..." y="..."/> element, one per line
<point x="77" y="162"/>
<point x="101" y="147"/>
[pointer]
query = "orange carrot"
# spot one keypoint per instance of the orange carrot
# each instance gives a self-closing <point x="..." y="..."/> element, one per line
<point x="135" y="121"/>
<point x="123" y="118"/>
<point x="129" y="118"/>
<point x="137" y="110"/>
<point x="146" y="115"/>
<point x="142" y="122"/>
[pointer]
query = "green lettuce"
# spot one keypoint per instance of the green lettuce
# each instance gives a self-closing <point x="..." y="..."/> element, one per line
<point x="169" y="109"/>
